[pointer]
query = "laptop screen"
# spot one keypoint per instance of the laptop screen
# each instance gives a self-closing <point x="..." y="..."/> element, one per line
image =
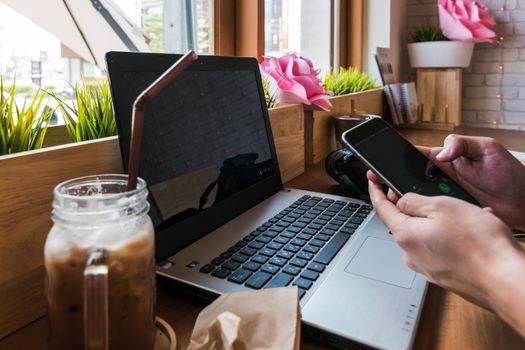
<point x="206" y="142"/>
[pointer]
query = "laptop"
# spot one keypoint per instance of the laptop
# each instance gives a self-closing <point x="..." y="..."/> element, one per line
<point x="224" y="222"/>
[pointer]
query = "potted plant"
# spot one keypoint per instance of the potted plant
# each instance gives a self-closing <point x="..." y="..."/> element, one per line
<point x="28" y="178"/>
<point x="461" y="25"/>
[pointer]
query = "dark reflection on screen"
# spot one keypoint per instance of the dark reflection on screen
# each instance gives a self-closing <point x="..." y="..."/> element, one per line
<point x="204" y="139"/>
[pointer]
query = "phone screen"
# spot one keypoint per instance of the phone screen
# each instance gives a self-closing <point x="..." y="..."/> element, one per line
<point x="399" y="163"/>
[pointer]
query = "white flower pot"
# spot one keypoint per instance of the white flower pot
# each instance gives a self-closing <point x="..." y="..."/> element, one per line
<point x="440" y="54"/>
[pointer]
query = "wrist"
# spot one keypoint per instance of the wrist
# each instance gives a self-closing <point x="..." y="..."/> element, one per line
<point x="505" y="288"/>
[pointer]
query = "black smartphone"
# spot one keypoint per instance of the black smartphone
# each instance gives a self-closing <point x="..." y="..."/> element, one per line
<point x="398" y="163"/>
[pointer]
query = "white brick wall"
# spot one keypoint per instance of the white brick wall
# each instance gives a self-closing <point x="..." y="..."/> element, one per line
<point x="481" y="81"/>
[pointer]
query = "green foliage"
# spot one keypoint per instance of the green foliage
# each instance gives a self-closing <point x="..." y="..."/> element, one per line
<point x="22" y="129"/>
<point x="92" y="116"/>
<point x="270" y="99"/>
<point x="428" y="33"/>
<point x="348" y="81"/>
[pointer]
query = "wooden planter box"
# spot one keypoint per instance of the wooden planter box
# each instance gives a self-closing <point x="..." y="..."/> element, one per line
<point x="56" y="135"/>
<point x="288" y="134"/>
<point x="28" y="179"/>
<point x="319" y="133"/>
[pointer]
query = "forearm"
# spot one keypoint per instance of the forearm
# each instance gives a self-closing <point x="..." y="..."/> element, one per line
<point x="507" y="291"/>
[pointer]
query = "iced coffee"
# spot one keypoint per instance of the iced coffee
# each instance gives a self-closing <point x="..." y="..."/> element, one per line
<point x="122" y="229"/>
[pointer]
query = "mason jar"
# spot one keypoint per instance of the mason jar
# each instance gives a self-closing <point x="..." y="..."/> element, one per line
<point x="99" y="259"/>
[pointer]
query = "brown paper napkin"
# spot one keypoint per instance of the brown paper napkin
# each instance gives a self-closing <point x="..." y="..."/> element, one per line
<point x="264" y="319"/>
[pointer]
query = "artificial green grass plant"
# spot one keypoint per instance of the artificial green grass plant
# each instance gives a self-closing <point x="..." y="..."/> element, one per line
<point x="91" y="116"/>
<point x="22" y="129"/>
<point x="347" y="81"/>
<point x="428" y="33"/>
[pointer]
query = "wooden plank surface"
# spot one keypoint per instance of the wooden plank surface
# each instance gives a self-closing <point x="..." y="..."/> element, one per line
<point x="27" y="184"/>
<point x="287" y="124"/>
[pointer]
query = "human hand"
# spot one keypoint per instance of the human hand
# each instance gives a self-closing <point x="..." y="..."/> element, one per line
<point x="486" y="170"/>
<point x="453" y="243"/>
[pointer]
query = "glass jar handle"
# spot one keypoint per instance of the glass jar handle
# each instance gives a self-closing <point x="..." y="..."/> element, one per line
<point x="96" y="300"/>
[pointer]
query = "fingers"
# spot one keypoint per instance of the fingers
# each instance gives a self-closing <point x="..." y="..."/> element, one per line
<point x="456" y="146"/>
<point x="391" y="216"/>
<point x="413" y="204"/>
<point x="373" y="177"/>
<point x="392" y="196"/>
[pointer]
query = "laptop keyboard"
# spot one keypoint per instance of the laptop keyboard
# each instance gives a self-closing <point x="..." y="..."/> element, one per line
<point x="293" y="247"/>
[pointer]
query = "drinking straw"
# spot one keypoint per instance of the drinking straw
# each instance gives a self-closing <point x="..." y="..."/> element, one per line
<point x="138" y="112"/>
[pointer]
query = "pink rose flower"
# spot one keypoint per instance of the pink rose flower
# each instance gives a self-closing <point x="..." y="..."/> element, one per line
<point x="292" y="79"/>
<point x="466" y="20"/>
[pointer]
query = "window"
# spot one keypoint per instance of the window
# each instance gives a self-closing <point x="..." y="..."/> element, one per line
<point x="303" y="27"/>
<point x="174" y="26"/>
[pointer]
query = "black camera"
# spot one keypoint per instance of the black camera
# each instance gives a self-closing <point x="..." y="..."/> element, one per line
<point x="345" y="168"/>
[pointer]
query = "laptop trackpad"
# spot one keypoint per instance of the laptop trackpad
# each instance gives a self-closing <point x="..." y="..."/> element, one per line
<point x="381" y="260"/>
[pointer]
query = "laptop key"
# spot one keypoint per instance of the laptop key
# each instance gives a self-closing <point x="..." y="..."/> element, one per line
<point x="289" y="219"/>
<point x="315" y="212"/>
<point x="234" y="249"/>
<point x="288" y="234"/>
<point x="248" y="251"/>
<point x="304" y="236"/>
<point x="274" y="245"/>
<point x="351" y="225"/>
<point x="273" y="269"/>
<point x="207" y="268"/>
<point x="315" y="226"/>
<point x="347" y="230"/>
<point x="299" y="224"/>
<point x="310" y="231"/>
<point x="276" y="228"/>
<point x="281" y="239"/>
<point x="281" y="280"/>
<point x="231" y="265"/>
<point x="301" y="282"/>
<point x="355" y="220"/>
<point x="221" y="273"/>
<point x="292" y="248"/>
<point x="278" y="261"/>
<point x="316" y="267"/>
<point x="252" y="266"/>
<point x="256" y="245"/>
<point x="298" y="262"/>
<point x="320" y="222"/>
<point x="240" y="258"/>
<point x="240" y="276"/>
<point x="327" y="231"/>
<point x="311" y="249"/>
<point x="285" y="254"/>
<point x="293" y="229"/>
<point x="217" y="261"/>
<point x="249" y="238"/>
<point x="226" y="255"/>
<point x="271" y="233"/>
<point x="241" y="244"/>
<point x="263" y="239"/>
<point x="260" y="259"/>
<point x="258" y="280"/>
<point x="292" y="270"/>
<point x="332" y="248"/>
<point x="317" y="243"/>
<point x="337" y="222"/>
<point x="322" y="237"/>
<point x="267" y="251"/>
<point x="298" y="242"/>
<point x="305" y="255"/>
<point x="309" y="274"/>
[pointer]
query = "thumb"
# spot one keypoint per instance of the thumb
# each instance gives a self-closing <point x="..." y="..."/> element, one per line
<point x="416" y="205"/>
<point x="456" y="146"/>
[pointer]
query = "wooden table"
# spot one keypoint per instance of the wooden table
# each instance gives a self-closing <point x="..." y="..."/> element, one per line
<point x="447" y="322"/>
